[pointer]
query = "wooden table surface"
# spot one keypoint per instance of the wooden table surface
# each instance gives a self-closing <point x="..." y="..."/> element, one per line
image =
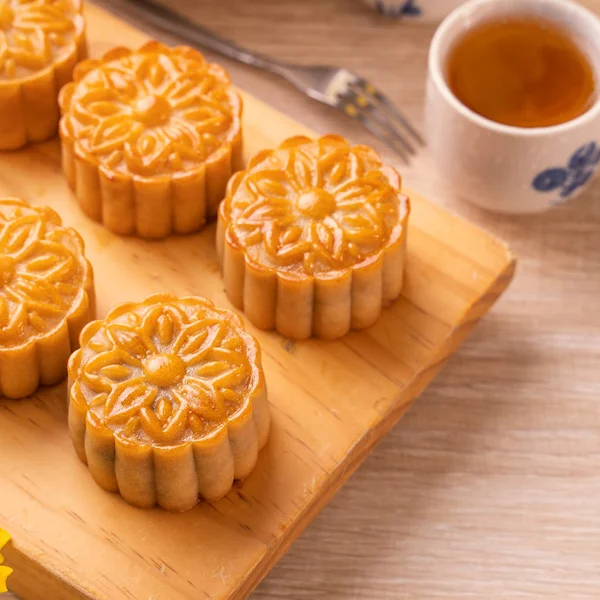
<point x="490" y="487"/>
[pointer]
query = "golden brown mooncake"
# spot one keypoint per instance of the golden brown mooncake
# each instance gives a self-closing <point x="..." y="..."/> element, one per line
<point x="150" y="138"/>
<point x="41" y="41"/>
<point x="311" y="237"/>
<point x="46" y="296"/>
<point x="168" y="401"/>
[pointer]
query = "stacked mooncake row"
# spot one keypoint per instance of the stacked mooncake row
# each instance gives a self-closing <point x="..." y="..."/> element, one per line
<point x="167" y="397"/>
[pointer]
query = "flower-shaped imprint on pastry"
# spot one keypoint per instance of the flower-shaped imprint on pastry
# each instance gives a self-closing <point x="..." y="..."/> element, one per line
<point x="41" y="41"/>
<point x="150" y="138"/>
<point x="168" y="401"/>
<point x="311" y="237"/>
<point x="46" y="296"/>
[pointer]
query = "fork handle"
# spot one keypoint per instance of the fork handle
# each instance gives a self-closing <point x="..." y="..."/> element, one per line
<point x="176" y="24"/>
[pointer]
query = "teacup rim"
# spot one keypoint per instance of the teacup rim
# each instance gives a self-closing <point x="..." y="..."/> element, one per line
<point x="435" y="70"/>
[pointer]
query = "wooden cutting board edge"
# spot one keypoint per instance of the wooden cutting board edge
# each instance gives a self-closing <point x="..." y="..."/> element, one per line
<point x="359" y="452"/>
<point x="33" y="578"/>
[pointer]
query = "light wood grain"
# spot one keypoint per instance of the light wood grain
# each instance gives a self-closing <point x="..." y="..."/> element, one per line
<point x="488" y="488"/>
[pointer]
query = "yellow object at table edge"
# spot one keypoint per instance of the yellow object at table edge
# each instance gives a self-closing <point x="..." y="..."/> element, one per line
<point x="4" y="571"/>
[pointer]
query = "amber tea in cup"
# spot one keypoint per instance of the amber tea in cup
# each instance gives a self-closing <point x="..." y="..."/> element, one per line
<point x="512" y="115"/>
<point x="521" y="71"/>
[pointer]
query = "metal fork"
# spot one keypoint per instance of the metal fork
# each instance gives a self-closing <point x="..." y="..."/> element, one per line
<point x="333" y="86"/>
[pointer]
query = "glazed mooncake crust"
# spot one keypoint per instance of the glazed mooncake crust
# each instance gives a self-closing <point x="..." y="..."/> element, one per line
<point x="150" y="138"/>
<point x="311" y="237"/>
<point x="167" y="401"/>
<point x="42" y="41"/>
<point x="46" y="296"/>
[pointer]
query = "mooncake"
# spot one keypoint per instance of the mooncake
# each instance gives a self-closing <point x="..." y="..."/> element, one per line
<point x="311" y="237"/>
<point x="46" y="296"/>
<point x="167" y="401"/>
<point x="150" y="138"/>
<point x="41" y="41"/>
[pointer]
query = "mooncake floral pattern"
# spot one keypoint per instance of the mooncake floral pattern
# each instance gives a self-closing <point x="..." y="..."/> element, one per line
<point x="170" y="371"/>
<point x="580" y="168"/>
<point x="33" y="33"/>
<point x="154" y="111"/>
<point x="41" y="271"/>
<point x="314" y="206"/>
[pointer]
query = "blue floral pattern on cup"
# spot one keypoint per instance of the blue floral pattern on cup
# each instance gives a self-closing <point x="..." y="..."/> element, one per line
<point x="406" y="8"/>
<point x="579" y="169"/>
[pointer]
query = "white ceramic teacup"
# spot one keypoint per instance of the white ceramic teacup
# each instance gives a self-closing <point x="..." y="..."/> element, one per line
<point x="500" y="167"/>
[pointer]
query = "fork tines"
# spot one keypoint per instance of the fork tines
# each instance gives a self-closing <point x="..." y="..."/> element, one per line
<point x="363" y="102"/>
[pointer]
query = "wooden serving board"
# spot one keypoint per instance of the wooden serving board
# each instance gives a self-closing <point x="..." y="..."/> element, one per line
<point x="331" y="401"/>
